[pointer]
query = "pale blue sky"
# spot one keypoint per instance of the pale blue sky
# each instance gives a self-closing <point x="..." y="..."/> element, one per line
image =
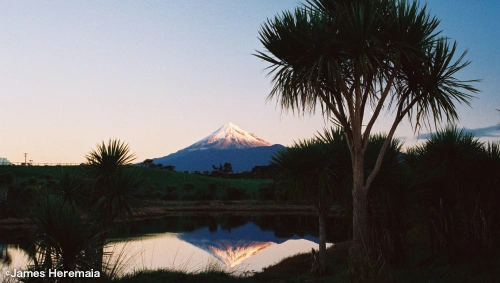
<point x="162" y="75"/>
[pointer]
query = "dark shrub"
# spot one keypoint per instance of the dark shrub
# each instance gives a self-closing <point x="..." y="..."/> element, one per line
<point x="18" y="199"/>
<point x="196" y="195"/>
<point x="49" y="177"/>
<point x="282" y="194"/>
<point x="188" y="188"/>
<point x="234" y="193"/>
<point x="170" y="189"/>
<point x="32" y="181"/>
<point x="3" y="209"/>
<point x="158" y="195"/>
<point x="200" y="194"/>
<point x="149" y="191"/>
<point x="171" y="193"/>
<point x="212" y="188"/>
<point x="188" y="191"/>
<point x="6" y="179"/>
<point x="458" y="192"/>
<point x="267" y="191"/>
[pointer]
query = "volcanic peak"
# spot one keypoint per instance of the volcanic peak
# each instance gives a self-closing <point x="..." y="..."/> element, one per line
<point x="227" y="137"/>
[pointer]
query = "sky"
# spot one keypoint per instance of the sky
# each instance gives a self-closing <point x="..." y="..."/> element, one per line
<point x="161" y="75"/>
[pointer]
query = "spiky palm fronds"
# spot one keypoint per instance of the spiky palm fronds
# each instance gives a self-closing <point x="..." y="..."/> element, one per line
<point x="64" y="240"/>
<point x="345" y="55"/>
<point x="457" y="189"/>
<point x="335" y="140"/>
<point x="122" y="195"/>
<point x="305" y="168"/>
<point x="112" y="187"/>
<point x="449" y="154"/>
<point x="105" y="160"/>
<point x="70" y="188"/>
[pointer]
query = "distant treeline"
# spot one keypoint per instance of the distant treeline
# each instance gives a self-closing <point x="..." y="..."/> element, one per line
<point x="222" y="171"/>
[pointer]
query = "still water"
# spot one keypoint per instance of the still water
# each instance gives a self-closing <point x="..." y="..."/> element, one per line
<point x="191" y="243"/>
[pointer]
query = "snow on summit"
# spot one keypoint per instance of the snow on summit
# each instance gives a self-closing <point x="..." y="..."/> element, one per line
<point x="229" y="143"/>
<point x="227" y="137"/>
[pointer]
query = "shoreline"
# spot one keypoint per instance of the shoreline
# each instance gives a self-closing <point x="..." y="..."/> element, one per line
<point x="152" y="210"/>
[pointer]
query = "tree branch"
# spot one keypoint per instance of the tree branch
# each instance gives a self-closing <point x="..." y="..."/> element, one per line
<point x="378" y="108"/>
<point x="401" y="114"/>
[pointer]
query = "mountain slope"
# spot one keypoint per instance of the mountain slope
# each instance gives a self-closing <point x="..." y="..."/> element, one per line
<point x="202" y="160"/>
<point x="229" y="143"/>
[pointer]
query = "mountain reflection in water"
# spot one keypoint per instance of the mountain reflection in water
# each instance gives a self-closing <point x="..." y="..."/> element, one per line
<point x="234" y="246"/>
<point x="233" y="254"/>
<point x="193" y="243"/>
<point x="245" y="248"/>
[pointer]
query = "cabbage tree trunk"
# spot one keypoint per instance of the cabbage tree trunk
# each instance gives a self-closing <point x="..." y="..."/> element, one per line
<point x="322" y="239"/>
<point x="360" y="229"/>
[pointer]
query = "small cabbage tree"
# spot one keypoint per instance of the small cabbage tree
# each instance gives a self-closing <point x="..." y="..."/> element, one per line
<point x="113" y="188"/>
<point x="305" y="169"/>
<point x="73" y="218"/>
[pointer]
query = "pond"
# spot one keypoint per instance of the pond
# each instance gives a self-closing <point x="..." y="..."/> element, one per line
<point x="192" y="243"/>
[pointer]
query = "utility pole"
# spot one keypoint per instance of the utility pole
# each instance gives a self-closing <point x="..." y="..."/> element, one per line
<point x="25" y="154"/>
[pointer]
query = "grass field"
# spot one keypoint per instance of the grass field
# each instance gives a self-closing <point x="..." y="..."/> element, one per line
<point x="155" y="180"/>
<point x="159" y="179"/>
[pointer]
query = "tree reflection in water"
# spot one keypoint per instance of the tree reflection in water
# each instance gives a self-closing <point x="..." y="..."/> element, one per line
<point x="241" y="242"/>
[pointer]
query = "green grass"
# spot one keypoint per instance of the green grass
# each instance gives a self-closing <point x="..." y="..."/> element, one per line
<point x="24" y="173"/>
<point x="158" y="178"/>
<point x="473" y="270"/>
<point x="182" y="277"/>
<point x="154" y="179"/>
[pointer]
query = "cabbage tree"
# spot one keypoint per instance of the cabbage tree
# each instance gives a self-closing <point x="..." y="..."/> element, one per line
<point x="113" y="188"/>
<point x="305" y="170"/>
<point x="356" y="59"/>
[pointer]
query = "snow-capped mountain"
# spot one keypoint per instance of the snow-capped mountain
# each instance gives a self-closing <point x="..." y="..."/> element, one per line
<point x="229" y="143"/>
<point x="229" y="136"/>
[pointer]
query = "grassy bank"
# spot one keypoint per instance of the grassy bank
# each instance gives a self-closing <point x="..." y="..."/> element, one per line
<point x="156" y="183"/>
<point x="153" y="177"/>
<point x="161" y="276"/>
<point x="297" y="269"/>
<point x="158" y="180"/>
